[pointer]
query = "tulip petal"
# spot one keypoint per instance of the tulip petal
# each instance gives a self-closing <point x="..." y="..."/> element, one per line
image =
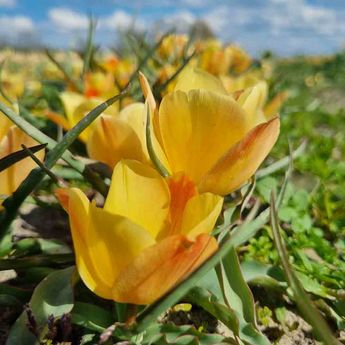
<point x="195" y="78"/>
<point x="111" y="140"/>
<point x="200" y="214"/>
<point x="12" y="177"/>
<point x="5" y="125"/>
<point x="242" y="160"/>
<point x="139" y="193"/>
<point x="274" y="105"/>
<point x="252" y="101"/>
<point x="70" y="101"/>
<point x="160" y="267"/>
<point x="77" y="206"/>
<point x="182" y="189"/>
<point x="155" y="133"/>
<point x="197" y="128"/>
<point x="134" y="115"/>
<point x="104" y="243"/>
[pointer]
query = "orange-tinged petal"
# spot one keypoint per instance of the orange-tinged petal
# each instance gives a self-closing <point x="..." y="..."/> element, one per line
<point x="181" y="190"/>
<point x="58" y="119"/>
<point x="242" y="160"/>
<point x="104" y="243"/>
<point x="274" y="105"/>
<point x="195" y="78"/>
<point x="200" y="214"/>
<point x="160" y="267"/>
<point x="197" y="128"/>
<point x="111" y="140"/>
<point x="139" y="193"/>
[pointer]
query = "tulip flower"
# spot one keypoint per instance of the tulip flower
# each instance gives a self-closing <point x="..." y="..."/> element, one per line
<point x="150" y="234"/>
<point x="205" y="133"/>
<point x="97" y="88"/>
<point x="11" y="139"/>
<point x="113" y="138"/>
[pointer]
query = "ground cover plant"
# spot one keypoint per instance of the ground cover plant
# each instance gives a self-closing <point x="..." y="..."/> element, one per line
<point x="148" y="196"/>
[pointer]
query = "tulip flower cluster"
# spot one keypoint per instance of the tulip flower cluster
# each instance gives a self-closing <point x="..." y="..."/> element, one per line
<point x="210" y="132"/>
<point x="152" y="230"/>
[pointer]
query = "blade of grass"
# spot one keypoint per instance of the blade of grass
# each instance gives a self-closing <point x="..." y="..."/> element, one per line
<point x="157" y="91"/>
<point x="17" y="156"/>
<point x="13" y="203"/>
<point x="310" y="312"/>
<point x="76" y="85"/>
<point x="282" y="162"/>
<point x="89" y="46"/>
<point x="148" y="55"/>
<point x="57" y="180"/>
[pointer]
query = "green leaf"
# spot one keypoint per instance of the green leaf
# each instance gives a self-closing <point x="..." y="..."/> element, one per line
<point x="17" y="156"/>
<point x="91" y="316"/>
<point x="209" y="302"/>
<point x="310" y="312"/>
<point x="168" y="334"/>
<point x="239" y="297"/>
<point x="53" y="296"/>
<point x="257" y="273"/>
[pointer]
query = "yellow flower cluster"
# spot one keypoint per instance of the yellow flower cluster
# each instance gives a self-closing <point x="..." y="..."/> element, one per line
<point x="210" y="131"/>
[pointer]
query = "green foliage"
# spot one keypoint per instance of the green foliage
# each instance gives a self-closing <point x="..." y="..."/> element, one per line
<point x="52" y="297"/>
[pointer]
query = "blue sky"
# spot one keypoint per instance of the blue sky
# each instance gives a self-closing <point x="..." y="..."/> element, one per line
<point x="286" y="27"/>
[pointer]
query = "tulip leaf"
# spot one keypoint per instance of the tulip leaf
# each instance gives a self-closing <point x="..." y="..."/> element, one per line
<point x="310" y="312"/>
<point x="239" y="297"/>
<point x="52" y="296"/>
<point x="257" y="273"/>
<point x="168" y="334"/>
<point x="91" y="316"/>
<point x="209" y="302"/>
<point x="17" y="156"/>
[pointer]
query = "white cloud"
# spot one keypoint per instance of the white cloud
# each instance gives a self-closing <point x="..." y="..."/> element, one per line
<point x="17" y="30"/>
<point x="16" y="24"/>
<point x="68" y="20"/>
<point x="121" y="20"/>
<point x="8" y="3"/>
<point x="181" y="21"/>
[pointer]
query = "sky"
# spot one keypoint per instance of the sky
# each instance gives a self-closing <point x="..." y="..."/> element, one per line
<point x="286" y="27"/>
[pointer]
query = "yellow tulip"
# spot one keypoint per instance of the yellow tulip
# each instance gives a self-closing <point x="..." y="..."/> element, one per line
<point x="215" y="140"/>
<point x="11" y="139"/>
<point x="150" y="234"/>
<point x="113" y="138"/>
<point x="97" y="88"/>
